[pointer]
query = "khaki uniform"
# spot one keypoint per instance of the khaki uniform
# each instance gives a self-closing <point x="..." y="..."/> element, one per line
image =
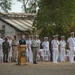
<point x="14" y="50"/>
<point x="35" y="48"/>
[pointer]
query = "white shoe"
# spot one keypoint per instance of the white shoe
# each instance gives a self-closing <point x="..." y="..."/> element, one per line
<point x="72" y="62"/>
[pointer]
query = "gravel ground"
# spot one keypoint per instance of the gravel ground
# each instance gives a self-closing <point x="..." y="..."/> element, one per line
<point x="42" y="68"/>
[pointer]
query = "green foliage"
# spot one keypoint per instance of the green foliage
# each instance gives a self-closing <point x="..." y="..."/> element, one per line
<point x="34" y="31"/>
<point x="55" y="17"/>
<point x="33" y="4"/>
<point x="5" y="5"/>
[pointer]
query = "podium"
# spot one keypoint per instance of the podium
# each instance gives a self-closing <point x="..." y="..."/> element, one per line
<point x="22" y="54"/>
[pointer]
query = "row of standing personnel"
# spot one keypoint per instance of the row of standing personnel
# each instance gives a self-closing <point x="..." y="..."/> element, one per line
<point x="54" y="47"/>
<point x="9" y="48"/>
<point x="33" y="47"/>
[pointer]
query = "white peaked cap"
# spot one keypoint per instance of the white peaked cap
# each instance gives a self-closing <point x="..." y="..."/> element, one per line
<point x="72" y="33"/>
<point x="35" y="35"/>
<point x="30" y="35"/>
<point x="62" y="36"/>
<point x="55" y="35"/>
<point x="45" y="38"/>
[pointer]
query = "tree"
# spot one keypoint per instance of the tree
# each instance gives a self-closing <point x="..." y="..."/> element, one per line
<point x="29" y="5"/>
<point x="55" y="17"/>
<point x="33" y="4"/>
<point x="5" y="5"/>
<point x="24" y="6"/>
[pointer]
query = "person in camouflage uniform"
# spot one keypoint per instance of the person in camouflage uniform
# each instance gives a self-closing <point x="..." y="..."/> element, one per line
<point x="5" y="47"/>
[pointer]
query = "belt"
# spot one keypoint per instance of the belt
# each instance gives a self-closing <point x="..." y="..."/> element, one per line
<point x="62" y="47"/>
<point x="72" y="46"/>
<point x="14" y="45"/>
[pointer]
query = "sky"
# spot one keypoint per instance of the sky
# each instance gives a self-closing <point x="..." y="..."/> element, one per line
<point x="16" y="6"/>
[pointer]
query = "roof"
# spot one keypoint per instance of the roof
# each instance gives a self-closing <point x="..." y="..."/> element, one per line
<point x="21" y="21"/>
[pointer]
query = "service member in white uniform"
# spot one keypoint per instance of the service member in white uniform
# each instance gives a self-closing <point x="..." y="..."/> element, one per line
<point x="71" y="45"/>
<point x="10" y="53"/>
<point x="30" y="53"/>
<point x="62" y="48"/>
<point x="1" y="51"/>
<point x="38" y="41"/>
<point x="45" y="45"/>
<point x="55" y="46"/>
<point x="38" y="56"/>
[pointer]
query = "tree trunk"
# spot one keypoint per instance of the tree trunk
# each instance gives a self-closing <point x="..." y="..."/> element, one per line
<point x="24" y="5"/>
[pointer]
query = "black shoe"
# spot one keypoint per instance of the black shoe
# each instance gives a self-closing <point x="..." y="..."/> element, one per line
<point x="6" y="61"/>
<point x="34" y="62"/>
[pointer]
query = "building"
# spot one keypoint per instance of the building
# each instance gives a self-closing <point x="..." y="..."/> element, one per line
<point x="15" y="23"/>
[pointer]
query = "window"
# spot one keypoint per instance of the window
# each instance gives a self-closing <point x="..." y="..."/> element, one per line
<point x="3" y="26"/>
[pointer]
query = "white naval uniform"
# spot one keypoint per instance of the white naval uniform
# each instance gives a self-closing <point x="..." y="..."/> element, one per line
<point x="55" y="44"/>
<point x="29" y="50"/>
<point x="62" y="50"/>
<point x="71" y="42"/>
<point x="10" y="52"/>
<point x="1" y="53"/>
<point x="46" y="52"/>
<point x="38" y="56"/>
<point x="39" y="42"/>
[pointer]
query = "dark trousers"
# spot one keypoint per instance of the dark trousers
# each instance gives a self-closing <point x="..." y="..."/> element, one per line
<point x="51" y="55"/>
<point x="5" y="58"/>
<point x="34" y="55"/>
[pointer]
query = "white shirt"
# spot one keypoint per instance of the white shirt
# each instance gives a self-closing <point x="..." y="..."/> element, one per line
<point x="29" y="42"/>
<point x="1" y="41"/>
<point x="39" y="42"/>
<point x="10" y="42"/>
<point x="35" y="43"/>
<point x="71" y="42"/>
<point x="55" y="43"/>
<point x="62" y="44"/>
<point x="45" y="45"/>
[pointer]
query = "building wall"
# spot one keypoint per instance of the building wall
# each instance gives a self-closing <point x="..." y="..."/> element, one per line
<point x="8" y="30"/>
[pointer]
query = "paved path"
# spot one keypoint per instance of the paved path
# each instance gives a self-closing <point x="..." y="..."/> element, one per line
<point x="42" y="68"/>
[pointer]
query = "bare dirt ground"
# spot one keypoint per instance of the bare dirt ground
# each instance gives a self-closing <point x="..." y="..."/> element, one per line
<point x="42" y="68"/>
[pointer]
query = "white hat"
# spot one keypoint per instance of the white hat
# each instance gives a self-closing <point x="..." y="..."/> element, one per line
<point x="62" y="36"/>
<point x="55" y="35"/>
<point x="35" y="35"/>
<point x="45" y="38"/>
<point x="72" y="33"/>
<point x="30" y="35"/>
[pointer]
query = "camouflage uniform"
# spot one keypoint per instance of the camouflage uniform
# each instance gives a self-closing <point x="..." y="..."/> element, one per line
<point x="5" y="47"/>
